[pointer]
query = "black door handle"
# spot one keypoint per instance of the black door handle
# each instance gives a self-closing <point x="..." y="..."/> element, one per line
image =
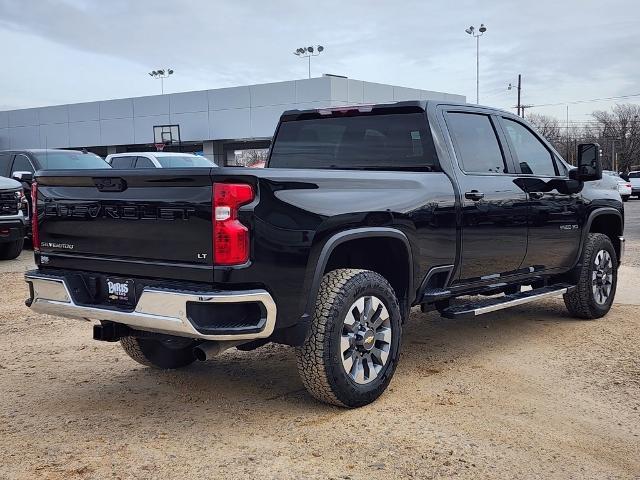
<point x="536" y="195"/>
<point x="474" y="195"/>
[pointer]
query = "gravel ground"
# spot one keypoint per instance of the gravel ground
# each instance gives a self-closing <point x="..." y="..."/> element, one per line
<point x="523" y="393"/>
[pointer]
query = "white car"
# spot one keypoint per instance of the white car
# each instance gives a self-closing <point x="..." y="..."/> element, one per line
<point x="634" y="179"/>
<point x="157" y="160"/>
<point x="624" y="187"/>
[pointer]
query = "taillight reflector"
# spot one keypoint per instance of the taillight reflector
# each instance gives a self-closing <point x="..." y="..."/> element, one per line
<point x="35" y="232"/>
<point x="230" y="237"/>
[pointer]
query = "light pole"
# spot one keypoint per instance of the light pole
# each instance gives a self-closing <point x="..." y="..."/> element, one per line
<point x="161" y="74"/>
<point x="472" y="31"/>
<point x="309" y="52"/>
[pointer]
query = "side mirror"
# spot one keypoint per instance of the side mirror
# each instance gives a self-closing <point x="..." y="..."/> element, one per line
<point x="589" y="164"/>
<point x="23" y="176"/>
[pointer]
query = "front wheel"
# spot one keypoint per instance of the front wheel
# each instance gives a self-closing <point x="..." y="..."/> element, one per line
<point x="352" y="350"/>
<point x="596" y="278"/>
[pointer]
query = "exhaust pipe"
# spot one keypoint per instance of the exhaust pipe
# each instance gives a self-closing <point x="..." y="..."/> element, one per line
<point x="208" y="350"/>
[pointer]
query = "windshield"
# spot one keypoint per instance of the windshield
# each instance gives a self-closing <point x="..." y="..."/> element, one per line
<point x="176" y="161"/>
<point x="634" y="175"/>
<point x="69" y="160"/>
<point x="375" y="142"/>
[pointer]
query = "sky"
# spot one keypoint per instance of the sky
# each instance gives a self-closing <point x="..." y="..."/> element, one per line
<point x="67" y="51"/>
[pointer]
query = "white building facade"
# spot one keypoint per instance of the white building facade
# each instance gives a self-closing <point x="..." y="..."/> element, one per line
<point x="216" y="122"/>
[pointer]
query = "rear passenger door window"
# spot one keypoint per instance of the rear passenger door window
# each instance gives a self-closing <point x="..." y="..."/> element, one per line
<point x="122" y="162"/>
<point x="532" y="155"/>
<point x="476" y="143"/>
<point x="144" y="162"/>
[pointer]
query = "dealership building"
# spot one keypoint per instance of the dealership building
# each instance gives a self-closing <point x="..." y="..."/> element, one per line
<point x="220" y="123"/>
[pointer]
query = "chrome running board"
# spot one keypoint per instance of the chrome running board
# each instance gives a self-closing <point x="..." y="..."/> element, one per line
<point x="489" y="305"/>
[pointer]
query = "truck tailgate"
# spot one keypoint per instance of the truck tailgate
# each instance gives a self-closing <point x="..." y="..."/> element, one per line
<point x="128" y="222"/>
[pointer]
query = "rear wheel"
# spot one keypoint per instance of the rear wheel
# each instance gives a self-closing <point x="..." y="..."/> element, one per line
<point x="625" y="198"/>
<point x="11" y="250"/>
<point x="596" y="277"/>
<point x="166" y="353"/>
<point x="353" y="347"/>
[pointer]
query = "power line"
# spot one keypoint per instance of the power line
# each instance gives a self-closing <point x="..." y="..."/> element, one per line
<point x="586" y="101"/>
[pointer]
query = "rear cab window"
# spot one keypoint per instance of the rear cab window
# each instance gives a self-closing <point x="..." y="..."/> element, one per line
<point x="69" y="160"/>
<point x="387" y="141"/>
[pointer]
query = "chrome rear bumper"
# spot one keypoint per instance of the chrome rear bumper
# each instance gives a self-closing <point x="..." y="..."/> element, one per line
<point x="157" y="310"/>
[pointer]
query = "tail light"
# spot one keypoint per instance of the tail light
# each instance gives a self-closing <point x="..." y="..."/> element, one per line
<point x="35" y="233"/>
<point x="230" y="237"/>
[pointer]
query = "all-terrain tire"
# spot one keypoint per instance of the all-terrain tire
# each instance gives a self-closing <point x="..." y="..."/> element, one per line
<point x="319" y="359"/>
<point x="581" y="302"/>
<point x="162" y="354"/>
<point x="11" y="250"/>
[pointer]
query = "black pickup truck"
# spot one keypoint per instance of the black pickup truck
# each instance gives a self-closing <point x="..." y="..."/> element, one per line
<point x="362" y="213"/>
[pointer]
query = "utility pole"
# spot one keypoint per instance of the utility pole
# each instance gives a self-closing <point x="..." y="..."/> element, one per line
<point x="567" y="132"/>
<point x="522" y="108"/>
<point x="519" y="90"/>
<point x="519" y="106"/>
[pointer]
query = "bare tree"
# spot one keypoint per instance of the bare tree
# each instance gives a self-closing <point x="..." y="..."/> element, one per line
<point x="618" y="132"/>
<point x="549" y="127"/>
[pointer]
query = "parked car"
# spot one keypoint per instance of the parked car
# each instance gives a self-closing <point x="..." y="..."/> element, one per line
<point x="22" y="164"/>
<point x="634" y="179"/>
<point x="624" y="186"/>
<point x="12" y="219"/>
<point x="157" y="160"/>
<point x="362" y="213"/>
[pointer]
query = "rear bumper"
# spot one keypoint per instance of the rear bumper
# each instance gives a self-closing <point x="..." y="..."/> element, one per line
<point x="157" y="310"/>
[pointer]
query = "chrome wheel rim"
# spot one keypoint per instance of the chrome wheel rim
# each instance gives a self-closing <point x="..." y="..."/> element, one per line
<point x="602" y="277"/>
<point x="366" y="339"/>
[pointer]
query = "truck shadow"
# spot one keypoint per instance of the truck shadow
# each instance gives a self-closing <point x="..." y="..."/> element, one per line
<point x="239" y="385"/>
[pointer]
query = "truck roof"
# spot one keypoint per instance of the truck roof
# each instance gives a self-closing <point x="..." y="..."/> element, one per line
<point x="407" y="106"/>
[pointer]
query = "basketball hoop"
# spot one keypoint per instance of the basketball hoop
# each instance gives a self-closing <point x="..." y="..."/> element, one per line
<point x="159" y="147"/>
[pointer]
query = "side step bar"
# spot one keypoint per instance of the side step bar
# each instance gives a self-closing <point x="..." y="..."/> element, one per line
<point x="474" y="309"/>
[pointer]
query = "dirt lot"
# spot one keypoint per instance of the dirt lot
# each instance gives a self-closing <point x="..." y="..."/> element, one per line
<point x="518" y="394"/>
